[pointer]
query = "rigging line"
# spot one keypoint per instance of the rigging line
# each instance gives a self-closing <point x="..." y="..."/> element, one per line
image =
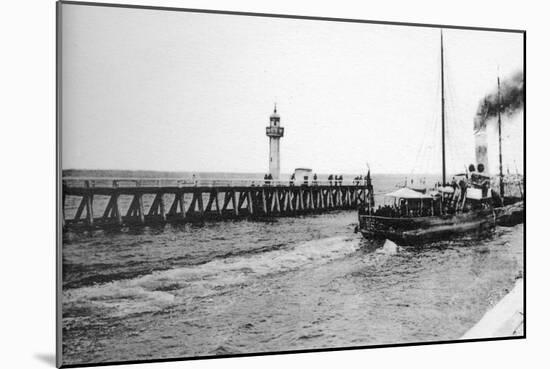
<point x="454" y="153"/>
<point x="424" y="156"/>
<point x="417" y="156"/>
<point x="431" y="150"/>
<point x="419" y="152"/>
<point x="450" y="115"/>
<point x="435" y="150"/>
<point x="419" y="161"/>
<point x="433" y="159"/>
<point x="449" y="127"/>
<point x="459" y="146"/>
<point x="465" y="147"/>
<point x="416" y="160"/>
<point x="424" y="161"/>
<point x="427" y="155"/>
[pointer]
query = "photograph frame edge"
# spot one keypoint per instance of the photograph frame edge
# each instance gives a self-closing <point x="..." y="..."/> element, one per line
<point x="59" y="185"/>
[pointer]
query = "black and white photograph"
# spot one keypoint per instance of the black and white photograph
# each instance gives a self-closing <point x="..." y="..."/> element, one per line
<point x="243" y="184"/>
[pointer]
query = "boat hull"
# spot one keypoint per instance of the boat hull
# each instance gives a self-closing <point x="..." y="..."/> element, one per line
<point x="419" y="230"/>
<point x="511" y="215"/>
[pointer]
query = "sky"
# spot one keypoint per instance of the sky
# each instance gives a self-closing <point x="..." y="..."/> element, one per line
<point x="178" y="91"/>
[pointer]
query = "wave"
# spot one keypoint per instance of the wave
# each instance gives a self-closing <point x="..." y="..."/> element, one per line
<point x="163" y="289"/>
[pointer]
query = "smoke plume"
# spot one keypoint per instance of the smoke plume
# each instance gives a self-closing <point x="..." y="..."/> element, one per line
<point x="511" y="99"/>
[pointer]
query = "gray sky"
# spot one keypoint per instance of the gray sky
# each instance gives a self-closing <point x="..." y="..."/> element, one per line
<point x="182" y="91"/>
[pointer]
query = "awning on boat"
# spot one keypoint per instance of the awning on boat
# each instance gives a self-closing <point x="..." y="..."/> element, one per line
<point x="407" y="193"/>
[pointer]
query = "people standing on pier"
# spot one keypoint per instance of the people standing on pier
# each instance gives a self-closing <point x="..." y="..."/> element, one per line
<point x="315" y="179"/>
<point x="194" y="179"/>
<point x="292" y="178"/>
<point x="330" y="180"/>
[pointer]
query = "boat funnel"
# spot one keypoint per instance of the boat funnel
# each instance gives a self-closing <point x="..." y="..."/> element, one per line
<point x="481" y="145"/>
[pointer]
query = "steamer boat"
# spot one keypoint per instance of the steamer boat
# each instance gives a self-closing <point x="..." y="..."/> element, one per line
<point x="467" y="205"/>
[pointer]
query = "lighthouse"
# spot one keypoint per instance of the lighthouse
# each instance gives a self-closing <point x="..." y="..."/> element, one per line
<point x="274" y="131"/>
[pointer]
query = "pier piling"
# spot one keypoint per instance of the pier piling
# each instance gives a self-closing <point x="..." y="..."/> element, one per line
<point x="126" y="202"/>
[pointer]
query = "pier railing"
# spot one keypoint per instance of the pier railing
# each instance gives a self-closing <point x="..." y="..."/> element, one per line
<point x="162" y="182"/>
<point x="102" y="202"/>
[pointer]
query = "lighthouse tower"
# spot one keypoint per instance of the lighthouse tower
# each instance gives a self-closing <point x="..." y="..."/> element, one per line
<point x="274" y="131"/>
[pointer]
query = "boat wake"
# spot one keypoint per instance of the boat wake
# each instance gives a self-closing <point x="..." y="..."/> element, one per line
<point x="163" y="289"/>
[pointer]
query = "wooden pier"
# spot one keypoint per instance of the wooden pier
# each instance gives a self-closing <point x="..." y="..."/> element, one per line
<point x="99" y="203"/>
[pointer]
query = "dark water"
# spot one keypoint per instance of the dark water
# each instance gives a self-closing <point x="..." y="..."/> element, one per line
<point x="295" y="283"/>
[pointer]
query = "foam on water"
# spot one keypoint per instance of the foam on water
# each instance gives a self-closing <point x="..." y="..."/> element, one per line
<point x="305" y="283"/>
<point x="389" y="248"/>
<point x="162" y="289"/>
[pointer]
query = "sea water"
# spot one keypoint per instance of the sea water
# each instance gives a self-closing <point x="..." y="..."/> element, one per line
<point x="288" y="284"/>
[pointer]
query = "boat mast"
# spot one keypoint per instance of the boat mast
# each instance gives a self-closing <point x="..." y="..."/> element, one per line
<point x="443" y="112"/>
<point x="501" y="184"/>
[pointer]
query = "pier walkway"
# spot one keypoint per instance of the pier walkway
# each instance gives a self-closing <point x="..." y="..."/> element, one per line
<point x="505" y="319"/>
<point x="107" y="202"/>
